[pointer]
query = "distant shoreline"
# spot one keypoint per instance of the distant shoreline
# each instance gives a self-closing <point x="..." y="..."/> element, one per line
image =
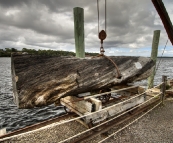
<point x="7" y="52"/>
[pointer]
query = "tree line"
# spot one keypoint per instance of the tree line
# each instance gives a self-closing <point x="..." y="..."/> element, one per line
<point x="7" y="52"/>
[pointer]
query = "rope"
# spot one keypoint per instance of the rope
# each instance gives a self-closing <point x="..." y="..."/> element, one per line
<point x="109" y="120"/>
<point x="67" y="121"/>
<point x="96" y="111"/>
<point x="92" y="96"/>
<point x="96" y="95"/>
<point x="130" y="123"/>
<point x="158" y="85"/>
<point x="161" y="56"/>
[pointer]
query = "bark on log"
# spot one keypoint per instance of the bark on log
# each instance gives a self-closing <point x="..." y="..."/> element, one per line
<point x="43" y="80"/>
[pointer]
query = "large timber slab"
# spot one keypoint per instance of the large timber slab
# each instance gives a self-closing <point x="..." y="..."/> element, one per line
<point x="43" y="80"/>
<point x="113" y="110"/>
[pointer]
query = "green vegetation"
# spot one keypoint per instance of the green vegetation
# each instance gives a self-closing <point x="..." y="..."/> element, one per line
<point x="7" y="52"/>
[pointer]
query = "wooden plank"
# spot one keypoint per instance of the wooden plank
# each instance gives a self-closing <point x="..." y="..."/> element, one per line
<point x="3" y="131"/>
<point x="152" y="92"/>
<point x="105" y="113"/>
<point x="80" y="106"/>
<point x="169" y="92"/>
<point x="98" y="104"/>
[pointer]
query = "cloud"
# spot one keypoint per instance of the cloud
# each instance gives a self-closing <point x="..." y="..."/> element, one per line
<point x="49" y="25"/>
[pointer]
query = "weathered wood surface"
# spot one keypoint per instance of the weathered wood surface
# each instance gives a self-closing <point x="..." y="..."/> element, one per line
<point x="41" y="80"/>
<point x="113" y="110"/>
<point x="84" y="108"/>
<point x="3" y="131"/>
<point x="81" y="107"/>
<point x="154" y="53"/>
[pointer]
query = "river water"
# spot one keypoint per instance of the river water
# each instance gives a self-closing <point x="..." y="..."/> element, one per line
<point x="13" y="118"/>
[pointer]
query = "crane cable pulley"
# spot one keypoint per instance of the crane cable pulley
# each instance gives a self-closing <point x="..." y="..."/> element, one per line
<point x="101" y="34"/>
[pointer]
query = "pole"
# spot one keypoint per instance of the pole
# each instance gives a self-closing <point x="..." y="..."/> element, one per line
<point x="160" y="7"/>
<point x="79" y="32"/>
<point x="163" y="87"/>
<point x="154" y="53"/>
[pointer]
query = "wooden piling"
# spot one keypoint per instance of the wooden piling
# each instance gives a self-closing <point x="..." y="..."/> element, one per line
<point x="163" y="88"/>
<point x="154" y="53"/>
<point x="79" y="32"/>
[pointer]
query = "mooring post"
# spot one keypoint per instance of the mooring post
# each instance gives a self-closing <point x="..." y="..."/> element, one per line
<point x="79" y="32"/>
<point x="163" y="88"/>
<point x="154" y="53"/>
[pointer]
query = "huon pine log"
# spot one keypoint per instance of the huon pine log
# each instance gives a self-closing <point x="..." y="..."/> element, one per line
<point x="43" y="80"/>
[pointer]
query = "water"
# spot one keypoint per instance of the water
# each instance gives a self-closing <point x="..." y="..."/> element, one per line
<point x="12" y="118"/>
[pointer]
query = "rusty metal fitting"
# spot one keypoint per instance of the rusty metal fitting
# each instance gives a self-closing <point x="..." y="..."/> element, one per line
<point x="102" y="50"/>
<point x="102" y="35"/>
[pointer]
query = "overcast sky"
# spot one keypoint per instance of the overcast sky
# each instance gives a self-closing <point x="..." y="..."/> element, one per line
<point x="48" y="24"/>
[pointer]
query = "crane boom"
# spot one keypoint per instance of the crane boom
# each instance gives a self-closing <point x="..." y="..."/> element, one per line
<point x="159" y="5"/>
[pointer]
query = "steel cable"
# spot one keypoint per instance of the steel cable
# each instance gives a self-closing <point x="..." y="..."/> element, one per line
<point x="161" y="57"/>
<point x="98" y="12"/>
<point x="109" y="119"/>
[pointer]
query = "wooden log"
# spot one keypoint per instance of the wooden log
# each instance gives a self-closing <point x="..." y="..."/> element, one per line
<point x="41" y="80"/>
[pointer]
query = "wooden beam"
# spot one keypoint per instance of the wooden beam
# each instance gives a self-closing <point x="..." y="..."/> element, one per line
<point x="163" y="88"/>
<point x="164" y="17"/>
<point x="3" y="131"/>
<point x="113" y="110"/>
<point x="79" y="32"/>
<point x="154" y="53"/>
<point x="80" y="106"/>
<point x="113" y="91"/>
<point x="153" y="92"/>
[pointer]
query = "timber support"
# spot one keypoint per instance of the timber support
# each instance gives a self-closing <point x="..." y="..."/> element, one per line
<point x="96" y="111"/>
<point x="79" y="32"/>
<point x="163" y="88"/>
<point x="154" y="53"/>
